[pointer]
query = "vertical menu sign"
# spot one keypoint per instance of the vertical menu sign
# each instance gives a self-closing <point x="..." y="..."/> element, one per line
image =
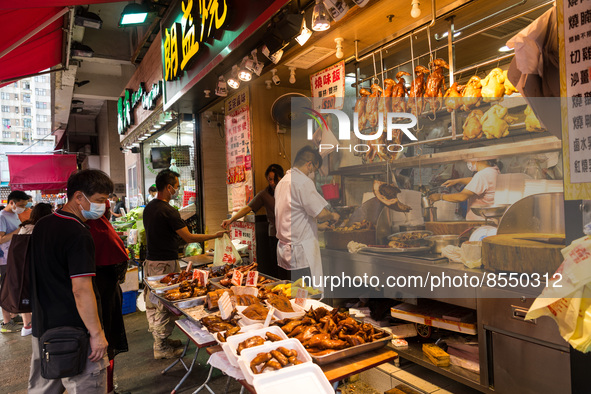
<point x="577" y="45"/>
<point x="329" y="86"/>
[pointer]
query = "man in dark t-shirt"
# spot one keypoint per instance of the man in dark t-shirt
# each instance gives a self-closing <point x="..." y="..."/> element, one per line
<point x="63" y="288"/>
<point x="164" y="231"/>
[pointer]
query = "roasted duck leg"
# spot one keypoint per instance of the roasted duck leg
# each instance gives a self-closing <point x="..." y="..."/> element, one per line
<point x="417" y="90"/>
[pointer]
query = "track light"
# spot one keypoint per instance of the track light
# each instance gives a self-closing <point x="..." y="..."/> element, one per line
<point x="275" y="77"/>
<point x="254" y="65"/>
<point x="222" y="89"/>
<point x="415" y="11"/>
<point x="244" y="74"/>
<point x="292" y="78"/>
<point x="339" y="42"/>
<point x="320" y="18"/>
<point x="88" y="19"/>
<point x="305" y="33"/>
<point x="274" y="57"/>
<point x="233" y="81"/>
<point x="133" y="14"/>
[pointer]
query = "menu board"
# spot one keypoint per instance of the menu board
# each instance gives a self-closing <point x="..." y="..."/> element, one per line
<point x="577" y="52"/>
<point x="244" y="231"/>
<point x="329" y="85"/>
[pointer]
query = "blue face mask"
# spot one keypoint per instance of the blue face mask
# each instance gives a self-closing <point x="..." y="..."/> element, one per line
<point x="29" y="205"/>
<point x="95" y="212"/>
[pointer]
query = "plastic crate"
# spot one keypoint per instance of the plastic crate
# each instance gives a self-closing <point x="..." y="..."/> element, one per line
<point x="129" y="302"/>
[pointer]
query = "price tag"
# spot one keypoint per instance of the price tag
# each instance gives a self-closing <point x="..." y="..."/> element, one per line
<point x="195" y="274"/>
<point x="301" y="296"/>
<point x="203" y="277"/>
<point x="252" y="278"/>
<point x="237" y="278"/>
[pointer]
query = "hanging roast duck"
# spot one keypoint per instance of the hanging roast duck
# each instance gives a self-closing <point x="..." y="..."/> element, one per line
<point x="372" y="106"/>
<point x="360" y="107"/>
<point x="399" y="93"/>
<point x="435" y="86"/>
<point x="417" y="90"/>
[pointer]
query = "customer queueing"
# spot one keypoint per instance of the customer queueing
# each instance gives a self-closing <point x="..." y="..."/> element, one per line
<point x="164" y="231"/>
<point x="111" y="263"/>
<point x="63" y="288"/>
<point x="9" y="225"/>
<point x="39" y="211"/>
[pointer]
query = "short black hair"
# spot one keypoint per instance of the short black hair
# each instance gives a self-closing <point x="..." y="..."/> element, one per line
<point x="277" y="170"/>
<point x="18" y="195"/>
<point x="306" y="154"/>
<point x="165" y="178"/>
<point x="39" y="211"/>
<point x="89" y="182"/>
<point x="152" y="189"/>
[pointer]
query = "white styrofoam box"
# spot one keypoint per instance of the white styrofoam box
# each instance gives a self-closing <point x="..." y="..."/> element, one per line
<point x="248" y="355"/>
<point x="298" y="311"/>
<point x="245" y="321"/>
<point x="131" y="280"/>
<point x="232" y="342"/>
<point x="315" y="304"/>
<point x="303" y="378"/>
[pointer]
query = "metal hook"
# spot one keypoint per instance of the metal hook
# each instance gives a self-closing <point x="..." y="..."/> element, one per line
<point x="375" y="71"/>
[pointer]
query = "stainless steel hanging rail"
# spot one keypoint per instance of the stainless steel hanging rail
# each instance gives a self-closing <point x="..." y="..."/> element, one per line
<point x="484" y="63"/>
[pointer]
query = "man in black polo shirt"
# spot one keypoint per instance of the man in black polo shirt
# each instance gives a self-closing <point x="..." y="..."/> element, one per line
<point x="64" y="292"/>
<point x="164" y="231"/>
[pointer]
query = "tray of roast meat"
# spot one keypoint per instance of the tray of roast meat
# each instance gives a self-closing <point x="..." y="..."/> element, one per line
<point x="225" y="280"/>
<point x="168" y="281"/>
<point x="187" y="290"/>
<point x="332" y="335"/>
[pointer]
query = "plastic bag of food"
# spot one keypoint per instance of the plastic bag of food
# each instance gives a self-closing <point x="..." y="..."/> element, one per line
<point x="567" y="298"/>
<point x="225" y="252"/>
<point x="193" y="249"/>
<point x="471" y="254"/>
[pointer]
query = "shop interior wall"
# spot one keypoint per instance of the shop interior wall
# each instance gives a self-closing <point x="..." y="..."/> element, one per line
<point x="215" y="203"/>
<point x="112" y="160"/>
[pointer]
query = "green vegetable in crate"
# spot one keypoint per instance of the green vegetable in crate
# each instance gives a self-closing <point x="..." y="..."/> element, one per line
<point x="193" y="249"/>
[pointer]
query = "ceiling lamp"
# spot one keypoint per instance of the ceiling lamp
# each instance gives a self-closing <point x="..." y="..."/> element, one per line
<point x="320" y="18"/>
<point x="133" y="14"/>
<point x="233" y="81"/>
<point x="88" y="19"/>
<point x="222" y="89"/>
<point x="207" y="92"/>
<point x="292" y="78"/>
<point x="253" y="64"/>
<point x="415" y="11"/>
<point x="244" y="74"/>
<point x="305" y="33"/>
<point x="339" y="42"/>
<point x="274" y="57"/>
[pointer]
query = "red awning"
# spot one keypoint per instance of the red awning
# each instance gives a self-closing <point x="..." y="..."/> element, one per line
<point x="40" y="172"/>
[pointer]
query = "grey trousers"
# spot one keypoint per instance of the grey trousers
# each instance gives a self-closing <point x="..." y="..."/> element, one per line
<point x="160" y="320"/>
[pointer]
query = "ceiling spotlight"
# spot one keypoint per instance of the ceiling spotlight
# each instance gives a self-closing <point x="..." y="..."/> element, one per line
<point x="133" y="14"/>
<point x="222" y="89"/>
<point x="275" y="77"/>
<point x="305" y="33"/>
<point x="87" y="19"/>
<point x="207" y="92"/>
<point x="415" y="11"/>
<point x="339" y="42"/>
<point x="244" y="74"/>
<point x="505" y="48"/>
<point x="233" y="81"/>
<point x="253" y="64"/>
<point x="292" y="78"/>
<point x="275" y="57"/>
<point x="81" y="50"/>
<point x="268" y="82"/>
<point x="320" y="18"/>
<point x="77" y="102"/>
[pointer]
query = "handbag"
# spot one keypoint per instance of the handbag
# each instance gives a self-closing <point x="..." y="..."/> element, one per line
<point x="63" y="352"/>
<point x="15" y="292"/>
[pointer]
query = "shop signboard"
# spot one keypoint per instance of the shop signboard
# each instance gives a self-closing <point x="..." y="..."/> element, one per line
<point x="329" y="86"/>
<point x="577" y="67"/>
<point x="244" y="231"/>
<point x="130" y="100"/>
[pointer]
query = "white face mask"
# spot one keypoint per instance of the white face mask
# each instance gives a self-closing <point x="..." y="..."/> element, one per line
<point x="471" y="166"/>
<point x="96" y="210"/>
<point x="175" y="194"/>
<point x="18" y="210"/>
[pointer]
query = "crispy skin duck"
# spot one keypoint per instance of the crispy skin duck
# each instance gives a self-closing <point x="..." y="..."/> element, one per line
<point x="250" y="342"/>
<point x="372" y="106"/>
<point x="360" y="108"/>
<point x="281" y="303"/>
<point x="435" y="86"/>
<point x="399" y="93"/>
<point x="472" y="128"/>
<point x="453" y="97"/>
<point x="472" y="93"/>
<point x="493" y="86"/>
<point x="256" y="312"/>
<point x="417" y="90"/>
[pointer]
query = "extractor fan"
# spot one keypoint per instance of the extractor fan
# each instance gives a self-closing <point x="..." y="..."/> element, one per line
<point x="287" y="112"/>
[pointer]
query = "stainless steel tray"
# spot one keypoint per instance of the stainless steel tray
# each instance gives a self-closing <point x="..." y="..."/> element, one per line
<point x="388" y="250"/>
<point x="153" y="282"/>
<point x="352" y="351"/>
<point x="216" y="281"/>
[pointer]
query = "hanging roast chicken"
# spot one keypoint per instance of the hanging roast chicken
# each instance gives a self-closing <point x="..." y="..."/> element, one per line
<point x="399" y="93"/>
<point x="493" y="86"/>
<point x="435" y="86"/>
<point x="453" y="97"/>
<point x="417" y="90"/>
<point x="495" y="122"/>
<point x="388" y="195"/>
<point x="472" y="128"/>
<point x="472" y="94"/>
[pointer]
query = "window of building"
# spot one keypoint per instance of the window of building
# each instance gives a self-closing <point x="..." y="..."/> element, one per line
<point x="5" y="108"/>
<point x="17" y="135"/>
<point x="5" y="123"/>
<point x="26" y="85"/>
<point x="41" y="78"/>
<point x="26" y="98"/>
<point x="27" y="111"/>
<point x="27" y="135"/>
<point x="16" y="110"/>
<point x="5" y="134"/>
<point x="40" y="92"/>
<point x="4" y="96"/>
<point x="42" y="130"/>
<point x="15" y="84"/>
<point x="27" y="123"/>
<point x="17" y="122"/>
<point x="41" y="118"/>
<point x="16" y="96"/>
<point x="41" y="104"/>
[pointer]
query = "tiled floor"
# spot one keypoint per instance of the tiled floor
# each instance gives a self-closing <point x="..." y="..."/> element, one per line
<point x="387" y="376"/>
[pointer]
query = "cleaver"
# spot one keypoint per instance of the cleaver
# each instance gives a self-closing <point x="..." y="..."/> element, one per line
<point x="547" y="240"/>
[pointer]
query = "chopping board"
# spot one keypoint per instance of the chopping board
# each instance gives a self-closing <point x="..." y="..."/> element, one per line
<point x="444" y="228"/>
<point x="507" y="252"/>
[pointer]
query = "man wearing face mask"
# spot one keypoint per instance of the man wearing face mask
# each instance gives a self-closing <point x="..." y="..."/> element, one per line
<point x="479" y="190"/>
<point x="298" y="208"/>
<point x="63" y="285"/>
<point x="9" y="225"/>
<point x="164" y="231"/>
<point x="23" y="217"/>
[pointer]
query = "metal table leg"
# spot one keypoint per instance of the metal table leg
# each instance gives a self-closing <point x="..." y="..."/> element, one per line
<point x="204" y="385"/>
<point x="180" y="359"/>
<point x="189" y="369"/>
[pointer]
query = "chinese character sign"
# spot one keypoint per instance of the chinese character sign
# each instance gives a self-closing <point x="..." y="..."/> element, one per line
<point x="577" y="46"/>
<point x="244" y="231"/>
<point x="329" y="84"/>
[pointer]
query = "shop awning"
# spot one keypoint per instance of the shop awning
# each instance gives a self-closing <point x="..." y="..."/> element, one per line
<point x="32" y="34"/>
<point x="40" y="172"/>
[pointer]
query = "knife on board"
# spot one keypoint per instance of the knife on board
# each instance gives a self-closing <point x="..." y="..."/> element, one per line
<point x="547" y="240"/>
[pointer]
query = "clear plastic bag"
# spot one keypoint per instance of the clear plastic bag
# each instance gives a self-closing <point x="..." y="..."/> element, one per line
<point x="225" y="252"/>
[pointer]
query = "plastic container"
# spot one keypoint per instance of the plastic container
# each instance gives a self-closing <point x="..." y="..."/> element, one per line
<point x="298" y="311"/>
<point x="232" y="342"/>
<point x="129" y="302"/>
<point x="248" y="355"/>
<point x="331" y="191"/>
<point x="298" y="379"/>
<point x="245" y="321"/>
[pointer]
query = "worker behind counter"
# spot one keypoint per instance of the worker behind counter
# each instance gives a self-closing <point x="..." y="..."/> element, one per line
<point x="164" y="231"/>
<point x="479" y="190"/>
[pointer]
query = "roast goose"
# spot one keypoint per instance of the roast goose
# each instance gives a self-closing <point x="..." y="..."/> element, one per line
<point x="360" y="108"/>
<point x="417" y="90"/>
<point x="435" y="86"/>
<point x="399" y="93"/>
<point x="388" y="195"/>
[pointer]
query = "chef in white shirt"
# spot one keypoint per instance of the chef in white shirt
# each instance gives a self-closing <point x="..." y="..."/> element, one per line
<point x="298" y="208"/>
